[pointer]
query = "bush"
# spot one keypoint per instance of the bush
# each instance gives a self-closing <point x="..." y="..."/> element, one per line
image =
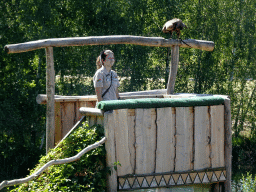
<point x="86" y="174"/>
<point x="246" y="184"/>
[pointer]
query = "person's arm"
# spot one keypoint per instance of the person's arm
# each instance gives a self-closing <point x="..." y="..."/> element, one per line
<point x="117" y="84"/>
<point x="98" y="91"/>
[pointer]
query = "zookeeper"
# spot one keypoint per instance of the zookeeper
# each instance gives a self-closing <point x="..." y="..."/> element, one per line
<point x="105" y="79"/>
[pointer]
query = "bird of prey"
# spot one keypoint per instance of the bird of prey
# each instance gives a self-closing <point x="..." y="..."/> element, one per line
<point x="174" y="25"/>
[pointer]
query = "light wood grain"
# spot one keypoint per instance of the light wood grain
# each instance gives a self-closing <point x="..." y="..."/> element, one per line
<point x="228" y="143"/>
<point x="58" y="125"/>
<point x="50" y="91"/>
<point x="145" y="141"/>
<point x="41" y="98"/>
<point x="79" y="104"/>
<point x="71" y="130"/>
<point x="131" y="136"/>
<point x="67" y="117"/>
<point x="202" y="138"/>
<point x="123" y="154"/>
<point x="217" y="136"/>
<point x="87" y="111"/>
<point x="92" y="120"/>
<point x="173" y="69"/>
<point x="100" y="120"/>
<point x="109" y="126"/>
<point x="108" y="40"/>
<point x="165" y="152"/>
<point x="77" y="113"/>
<point x="184" y="138"/>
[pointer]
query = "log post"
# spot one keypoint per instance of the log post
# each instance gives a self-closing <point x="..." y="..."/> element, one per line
<point x="228" y="143"/>
<point x="173" y="69"/>
<point x="50" y="91"/>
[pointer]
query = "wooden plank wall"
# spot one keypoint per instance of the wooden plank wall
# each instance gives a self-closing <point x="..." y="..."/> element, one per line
<point x="67" y="114"/>
<point x="184" y="138"/>
<point x="147" y="141"/>
<point x="165" y="156"/>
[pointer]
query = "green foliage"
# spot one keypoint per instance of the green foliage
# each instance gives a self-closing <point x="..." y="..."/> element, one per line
<point x="246" y="184"/>
<point x="86" y="174"/>
<point x="117" y="164"/>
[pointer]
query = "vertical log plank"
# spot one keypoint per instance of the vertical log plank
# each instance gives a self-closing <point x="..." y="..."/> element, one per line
<point x="109" y="126"/>
<point x="100" y="120"/>
<point x="202" y="138"/>
<point x="228" y="143"/>
<point x="145" y="138"/>
<point x="83" y="104"/>
<point x="217" y="136"/>
<point x="216" y="187"/>
<point x="58" y="126"/>
<point x="131" y="135"/>
<point x="165" y="152"/>
<point x="50" y="91"/>
<point x="77" y="114"/>
<point x="92" y="120"/>
<point x="92" y="104"/>
<point x="68" y="117"/>
<point x="123" y="154"/>
<point x="184" y="138"/>
<point x="173" y="69"/>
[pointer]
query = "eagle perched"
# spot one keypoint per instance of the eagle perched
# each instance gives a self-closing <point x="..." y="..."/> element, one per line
<point x="173" y="25"/>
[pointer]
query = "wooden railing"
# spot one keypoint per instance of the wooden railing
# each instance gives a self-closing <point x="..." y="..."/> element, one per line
<point x="67" y="109"/>
<point x="48" y="44"/>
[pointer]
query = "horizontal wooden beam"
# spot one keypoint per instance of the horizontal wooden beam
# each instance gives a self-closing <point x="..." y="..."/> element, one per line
<point x="107" y="40"/>
<point x="141" y="96"/>
<point x="42" y="98"/>
<point x="87" y="111"/>
<point x="158" y="93"/>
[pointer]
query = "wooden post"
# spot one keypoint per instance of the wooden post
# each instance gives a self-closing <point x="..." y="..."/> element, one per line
<point x="109" y="126"/>
<point x="173" y="69"/>
<point x="228" y="143"/>
<point x="50" y="91"/>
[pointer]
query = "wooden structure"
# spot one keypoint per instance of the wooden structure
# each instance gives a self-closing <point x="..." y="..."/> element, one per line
<point x="67" y="113"/>
<point x="160" y="147"/>
<point x="48" y="44"/>
<point x="157" y="147"/>
<point x="172" y="146"/>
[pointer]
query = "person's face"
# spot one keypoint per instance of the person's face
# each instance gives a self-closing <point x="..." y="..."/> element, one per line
<point x="109" y="60"/>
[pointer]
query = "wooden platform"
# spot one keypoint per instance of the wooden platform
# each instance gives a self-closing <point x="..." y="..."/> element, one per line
<point x="160" y="148"/>
<point x="152" y="144"/>
<point x="168" y="147"/>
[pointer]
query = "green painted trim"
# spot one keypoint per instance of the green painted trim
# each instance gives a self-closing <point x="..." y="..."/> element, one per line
<point x="160" y="102"/>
